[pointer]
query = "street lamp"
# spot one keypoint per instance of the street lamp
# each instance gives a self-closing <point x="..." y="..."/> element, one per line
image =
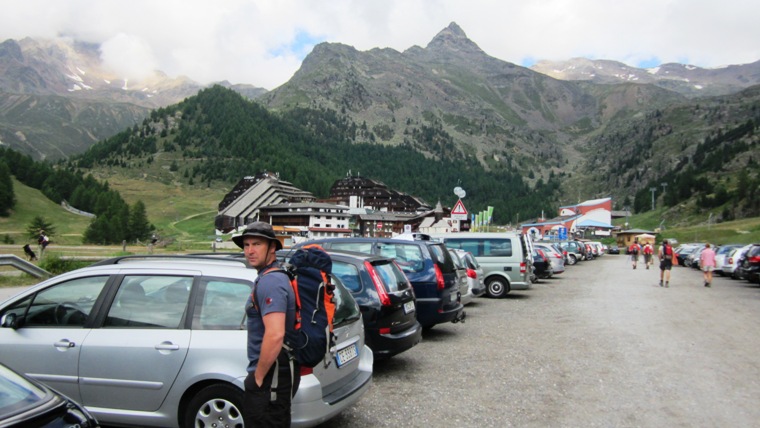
<point x="652" y="189"/>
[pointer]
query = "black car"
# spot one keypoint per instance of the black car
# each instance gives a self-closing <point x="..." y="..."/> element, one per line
<point x="27" y="403"/>
<point x="428" y="266"/>
<point x="614" y="249"/>
<point x="386" y="300"/>
<point x="750" y="264"/>
<point x="541" y="264"/>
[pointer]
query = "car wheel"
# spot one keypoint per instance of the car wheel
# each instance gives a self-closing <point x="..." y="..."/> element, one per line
<point x="215" y="405"/>
<point x="497" y="287"/>
<point x="571" y="259"/>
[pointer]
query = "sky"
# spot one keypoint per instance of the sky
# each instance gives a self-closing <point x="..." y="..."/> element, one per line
<point x="263" y="42"/>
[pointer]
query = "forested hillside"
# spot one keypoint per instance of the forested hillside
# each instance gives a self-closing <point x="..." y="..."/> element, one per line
<point x="700" y="156"/>
<point x="115" y="220"/>
<point x="218" y="137"/>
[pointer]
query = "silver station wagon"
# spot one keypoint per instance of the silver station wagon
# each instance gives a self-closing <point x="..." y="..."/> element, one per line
<point x="161" y="341"/>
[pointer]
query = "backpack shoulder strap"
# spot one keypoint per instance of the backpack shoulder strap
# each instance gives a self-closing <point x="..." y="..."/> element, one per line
<point x="254" y="294"/>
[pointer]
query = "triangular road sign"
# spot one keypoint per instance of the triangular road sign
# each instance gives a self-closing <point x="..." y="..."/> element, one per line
<point x="459" y="208"/>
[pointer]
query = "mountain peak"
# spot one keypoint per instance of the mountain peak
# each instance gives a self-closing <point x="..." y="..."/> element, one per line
<point x="453" y="38"/>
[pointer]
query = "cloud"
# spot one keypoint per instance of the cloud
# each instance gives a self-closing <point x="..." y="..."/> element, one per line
<point x="262" y="42"/>
<point x="128" y="55"/>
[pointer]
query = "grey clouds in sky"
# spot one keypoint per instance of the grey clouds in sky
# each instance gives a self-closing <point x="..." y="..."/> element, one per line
<point x="262" y="42"/>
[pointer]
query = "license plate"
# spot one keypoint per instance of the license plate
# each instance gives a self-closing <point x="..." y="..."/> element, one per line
<point x="409" y="307"/>
<point x="454" y="297"/>
<point x="347" y="354"/>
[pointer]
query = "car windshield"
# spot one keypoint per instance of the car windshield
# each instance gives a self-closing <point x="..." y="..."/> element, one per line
<point x="346" y="309"/>
<point x="16" y="393"/>
<point x="392" y="277"/>
<point x="472" y="263"/>
<point x="441" y="256"/>
<point x="455" y="258"/>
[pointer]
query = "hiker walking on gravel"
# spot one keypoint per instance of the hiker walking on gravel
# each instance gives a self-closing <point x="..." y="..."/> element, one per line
<point x="707" y="263"/>
<point x="648" y="252"/>
<point x="665" y="255"/>
<point x="634" y="251"/>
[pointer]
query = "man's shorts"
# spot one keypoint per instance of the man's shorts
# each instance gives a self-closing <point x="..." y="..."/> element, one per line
<point x="708" y="268"/>
<point x="666" y="264"/>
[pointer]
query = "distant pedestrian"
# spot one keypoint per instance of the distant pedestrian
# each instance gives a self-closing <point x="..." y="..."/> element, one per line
<point x="665" y="254"/>
<point x="707" y="262"/>
<point x="648" y="251"/>
<point x="42" y="242"/>
<point x="634" y="251"/>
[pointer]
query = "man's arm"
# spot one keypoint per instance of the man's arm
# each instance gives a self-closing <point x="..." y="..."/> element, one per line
<point x="274" y="334"/>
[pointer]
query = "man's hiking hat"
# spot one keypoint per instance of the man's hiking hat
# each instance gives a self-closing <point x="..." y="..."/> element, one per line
<point x="260" y="229"/>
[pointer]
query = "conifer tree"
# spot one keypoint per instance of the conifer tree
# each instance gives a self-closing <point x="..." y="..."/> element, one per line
<point x="139" y="226"/>
<point x="7" y="196"/>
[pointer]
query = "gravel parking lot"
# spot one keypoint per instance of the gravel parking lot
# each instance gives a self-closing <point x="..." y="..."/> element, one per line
<point x="600" y="345"/>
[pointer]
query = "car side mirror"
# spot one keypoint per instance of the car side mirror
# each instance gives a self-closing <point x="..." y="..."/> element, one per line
<point x="9" y="321"/>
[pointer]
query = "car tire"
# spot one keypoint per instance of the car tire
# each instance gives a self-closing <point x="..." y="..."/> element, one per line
<point x="571" y="259"/>
<point x="497" y="287"/>
<point x="215" y="405"/>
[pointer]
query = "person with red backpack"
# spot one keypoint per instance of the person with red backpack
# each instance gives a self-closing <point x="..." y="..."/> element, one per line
<point x="647" y="250"/>
<point x="666" y="256"/>
<point x="634" y="251"/>
<point x="273" y="376"/>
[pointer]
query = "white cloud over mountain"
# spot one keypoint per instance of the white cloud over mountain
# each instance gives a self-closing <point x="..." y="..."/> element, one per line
<point x="262" y="42"/>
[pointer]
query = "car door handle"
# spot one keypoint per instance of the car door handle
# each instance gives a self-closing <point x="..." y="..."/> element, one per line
<point x="167" y="346"/>
<point x="64" y="343"/>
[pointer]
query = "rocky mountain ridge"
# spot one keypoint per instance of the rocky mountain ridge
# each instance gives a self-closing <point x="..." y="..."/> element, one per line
<point x="448" y="100"/>
<point x="688" y="80"/>
<point x="57" y="98"/>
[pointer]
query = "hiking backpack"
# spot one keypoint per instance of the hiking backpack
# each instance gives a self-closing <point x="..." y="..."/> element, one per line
<point x="309" y="272"/>
<point x="634" y="249"/>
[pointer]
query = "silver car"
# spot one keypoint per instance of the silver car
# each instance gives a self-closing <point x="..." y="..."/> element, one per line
<point x="464" y="286"/>
<point x="731" y="263"/>
<point x="556" y="258"/>
<point x="161" y="341"/>
<point x="475" y="283"/>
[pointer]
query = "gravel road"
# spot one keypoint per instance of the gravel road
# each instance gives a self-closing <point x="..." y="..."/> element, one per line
<point x="601" y="345"/>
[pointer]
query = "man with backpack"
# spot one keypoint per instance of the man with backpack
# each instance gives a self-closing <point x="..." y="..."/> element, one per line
<point x="634" y="251"/>
<point x="273" y="376"/>
<point x="648" y="251"/>
<point x="666" y="262"/>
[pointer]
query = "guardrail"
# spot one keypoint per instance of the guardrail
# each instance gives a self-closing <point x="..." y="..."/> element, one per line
<point x="23" y="265"/>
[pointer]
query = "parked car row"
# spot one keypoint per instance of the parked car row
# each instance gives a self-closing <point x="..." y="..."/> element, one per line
<point x="735" y="260"/>
<point x="160" y="340"/>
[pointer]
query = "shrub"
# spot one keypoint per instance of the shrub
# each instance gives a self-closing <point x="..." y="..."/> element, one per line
<point x="56" y="265"/>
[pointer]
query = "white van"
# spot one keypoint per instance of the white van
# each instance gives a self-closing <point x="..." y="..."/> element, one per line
<point x="506" y="258"/>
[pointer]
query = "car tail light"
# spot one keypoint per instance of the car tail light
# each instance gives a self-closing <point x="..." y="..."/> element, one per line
<point x="523" y="267"/>
<point x="754" y="259"/>
<point x="557" y="256"/>
<point x="385" y="330"/>
<point x="385" y="300"/>
<point x="306" y="370"/>
<point x="730" y="260"/>
<point x="439" y="278"/>
<point x="472" y="274"/>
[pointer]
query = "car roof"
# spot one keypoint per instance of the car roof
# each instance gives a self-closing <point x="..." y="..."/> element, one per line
<point x="344" y="254"/>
